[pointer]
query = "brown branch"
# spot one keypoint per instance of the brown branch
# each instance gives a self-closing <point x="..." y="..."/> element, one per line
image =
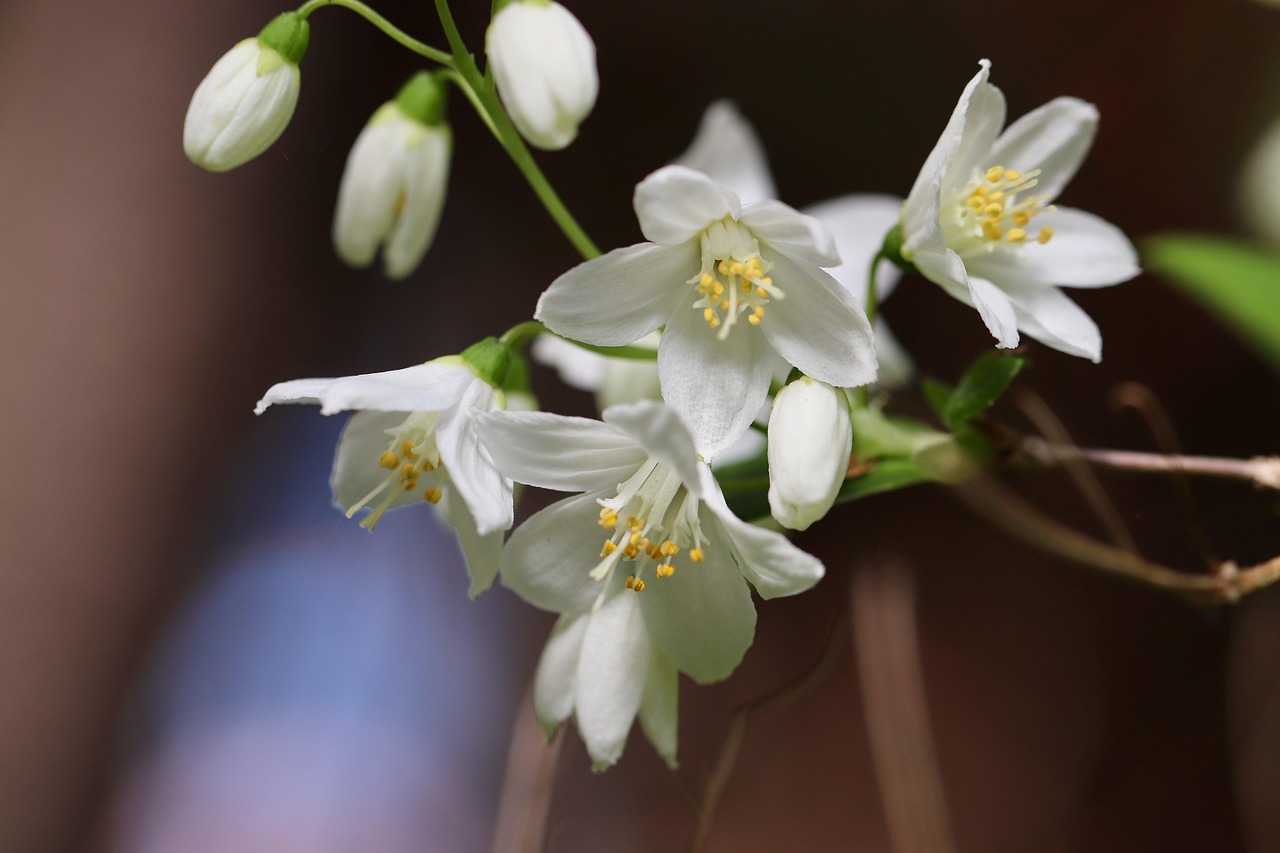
<point x="787" y="693"/>
<point x="526" y="789"/>
<point x="1262" y="471"/>
<point x="1004" y="509"/>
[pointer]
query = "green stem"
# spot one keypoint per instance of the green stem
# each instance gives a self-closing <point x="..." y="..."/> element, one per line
<point x="631" y="352"/>
<point x="484" y="97"/>
<point x="397" y="34"/>
<point x="519" y="334"/>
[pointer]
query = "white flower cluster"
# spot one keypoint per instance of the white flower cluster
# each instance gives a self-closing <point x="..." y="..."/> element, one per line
<point x="743" y="298"/>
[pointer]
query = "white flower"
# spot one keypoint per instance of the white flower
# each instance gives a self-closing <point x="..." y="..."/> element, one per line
<point x="713" y="263"/>
<point x="727" y="149"/>
<point x="810" y="439"/>
<point x="413" y="438"/>
<point x="651" y="518"/>
<point x="394" y="184"/>
<point x="544" y="64"/>
<point x="246" y="100"/>
<point x="981" y="223"/>
<point x="603" y="668"/>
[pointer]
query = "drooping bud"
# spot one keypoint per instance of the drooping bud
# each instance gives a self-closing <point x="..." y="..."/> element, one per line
<point x="393" y="187"/>
<point x="810" y="439"/>
<point x="246" y="100"/>
<point x="544" y="64"/>
<point x="488" y="359"/>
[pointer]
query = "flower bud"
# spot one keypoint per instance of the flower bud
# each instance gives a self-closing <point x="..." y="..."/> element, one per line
<point x="810" y="439"/>
<point x="544" y="64"/>
<point x="394" y="184"/>
<point x="248" y="97"/>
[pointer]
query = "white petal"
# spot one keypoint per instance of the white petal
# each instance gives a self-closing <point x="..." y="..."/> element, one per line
<point x="577" y="367"/>
<point x="470" y="467"/>
<point x="557" y="452"/>
<point x="612" y="669"/>
<point x="658" y="707"/>
<point x="482" y="552"/>
<point x="787" y="230"/>
<point x="1047" y="315"/>
<point x="356" y="472"/>
<point x="817" y="327"/>
<point x="430" y="387"/>
<point x="1085" y="251"/>
<point x="983" y="121"/>
<point x="894" y="363"/>
<point x="426" y="178"/>
<point x="810" y="439"/>
<point x="619" y="297"/>
<point x="660" y="432"/>
<point x="547" y="559"/>
<point x="676" y="204"/>
<point x="920" y="226"/>
<point x="1053" y="138"/>
<point x="372" y="183"/>
<point x="702" y="615"/>
<point x="774" y="566"/>
<point x="628" y="380"/>
<point x="996" y="310"/>
<point x="555" y="680"/>
<point x="859" y="224"/>
<point x="715" y="386"/>
<point x="727" y="150"/>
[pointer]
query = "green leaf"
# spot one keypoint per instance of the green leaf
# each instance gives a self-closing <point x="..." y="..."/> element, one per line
<point x="936" y="394"/>
<point x="887" y="476"/>
<point x="979" y="388"/>
<point x="1238" y="281"/>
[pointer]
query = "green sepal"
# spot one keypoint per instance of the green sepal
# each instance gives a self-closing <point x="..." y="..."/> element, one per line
<point x="982" y="384"/>
<point x="891" y="250"/>
<point x="288" y="34"/>
<point x="489" y="359"/>
<point x="424" y="98"/>
<point x="517" y="378"/>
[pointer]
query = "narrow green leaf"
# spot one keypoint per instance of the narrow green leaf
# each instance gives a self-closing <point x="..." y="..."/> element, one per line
<point x="936" y="394"/>
<point x="979" y="388"/>
<point x="888" y="475"/>
<point x="1238" y="281"/>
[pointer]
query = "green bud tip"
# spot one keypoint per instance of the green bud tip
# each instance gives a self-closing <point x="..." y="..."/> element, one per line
<point x="288" y="34"/>
<point x="424" y="98"/>
<point x="489" y="359"/>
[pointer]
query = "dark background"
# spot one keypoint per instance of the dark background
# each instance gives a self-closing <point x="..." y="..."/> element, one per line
<point x="147" y="304"/>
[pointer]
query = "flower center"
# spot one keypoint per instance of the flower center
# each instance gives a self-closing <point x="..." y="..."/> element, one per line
<point x="734" y="280"/>
<point x="661" y="521"/>
<point x="992" y="211"/>
<point x="411" y="460"/>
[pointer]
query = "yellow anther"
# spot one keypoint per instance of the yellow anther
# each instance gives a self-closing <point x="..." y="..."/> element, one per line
<point x="1021" y="218"/>
<point x="707" y="279"/>
<point x="754" y="319"/>
<point x="637" y="539"/>
<point x="410" y="485"/>
<point x="761" y="292"/>
<point x="406" y="450"/>
<point x="993" y="210"/>
<point x="669" y="548"/>
<point x="696" y="555"/>
<point x="1045" y="235"/>
<point x="664" y="570"/>
<point x="631" y="582"/>
<point x="609" y="548"/>
<point x="976" y="202"/>
<point x="631" y="551"/>
<point x="736" y="268"/>
<point x="990" y="230"/>
<point x="407" y="471"/>
<point x="1016" y="235"/>
<point x="634" y="523"/>
<point x="608" y="518"/>
<point x="978" y="192"/>
<point x="432" y="496"/>
<point x="652" y="551"/>
<point x="767" y="280"/>
<point x="715" y="323"/>
<point x="995" y="173"/>
<point x="638" y="586"/>
<point x="388" y="460"/>
<point x="723" y="267"/>
<point x="428" y="465"/>
<point x="724" y="304"/>
<point x="717" y="288"/>
<point x="746" y="286"/>
<point x="995" y="195"/>
<point x="1012" y="175"/>
<point x="708" y="315"/>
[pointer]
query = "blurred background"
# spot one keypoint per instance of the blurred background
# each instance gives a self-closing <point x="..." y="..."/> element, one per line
<point x="198" y="654"/>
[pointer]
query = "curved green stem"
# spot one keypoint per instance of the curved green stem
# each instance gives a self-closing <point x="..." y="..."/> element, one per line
<point x="397" y="34"/>
<point x="520" y="334"/>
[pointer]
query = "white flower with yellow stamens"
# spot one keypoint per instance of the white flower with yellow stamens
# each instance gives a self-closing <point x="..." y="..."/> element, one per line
<point x="981" y="223"/>
<point x="651" y="523"/>
<point x="413" y="439"/>
<point x="740" y="291"/>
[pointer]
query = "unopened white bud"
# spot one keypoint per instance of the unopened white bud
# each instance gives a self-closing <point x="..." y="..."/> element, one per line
<point x="810" y="439"/>
<point x="246" y="100"/>
<point x="544" y="64"/>
<point x="393" y="188"/>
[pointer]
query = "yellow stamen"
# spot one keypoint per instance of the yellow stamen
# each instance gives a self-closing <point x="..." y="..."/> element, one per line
<point x="1046" y="234"/>
<point x="639" y="585"/>
<point x="664" y="570"/>
<point x="1021" y="218"/>
<point x="1012" y="175"/>
<point x="388" y="460"/>
<point x="631" y="582"/>
<point x="432" y="496"/>
<point x="1016" y="235"/>
<point x="669" y="549"/>
<point x="406" y="450"/>
<point x="696" y="555"/>
<point x="995" y="173"/>
<point x="608" y="548"/>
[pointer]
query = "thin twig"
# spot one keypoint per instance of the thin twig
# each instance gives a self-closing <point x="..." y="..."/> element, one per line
<point x="897" y="710"/>
<point x="1006" y="510"/>
<point x="1084" y="477"/>
<point x="526" y="789"/>
<point x="790" y="692"/>
<point x="1262" y="471"/>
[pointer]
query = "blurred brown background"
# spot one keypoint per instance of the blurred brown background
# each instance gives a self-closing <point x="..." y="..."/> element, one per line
<point x="147" y="304"/>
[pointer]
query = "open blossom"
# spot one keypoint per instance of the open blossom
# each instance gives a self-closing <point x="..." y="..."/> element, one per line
<point x="651" y="523"/>
<point x="246" y="100"/>
<point x="413" y="439"/>
<point x="544" y="65"/>
<point x="981" y="223"/>
<point x="393" y="187"/>
<point x="740" y="291"/>
<point x="727" y="149"/>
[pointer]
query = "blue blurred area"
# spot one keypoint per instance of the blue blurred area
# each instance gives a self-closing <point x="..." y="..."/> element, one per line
<point x="325" y="689"/>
